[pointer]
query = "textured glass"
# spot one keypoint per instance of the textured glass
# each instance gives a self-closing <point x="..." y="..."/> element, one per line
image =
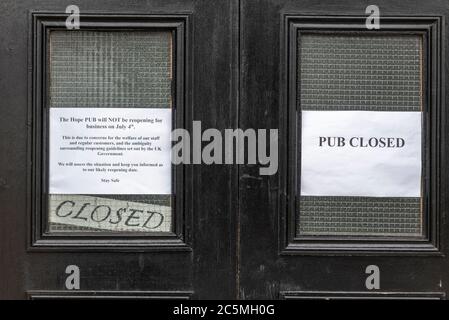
<point x="355" y="72"/>
<point x="360" y="215"/>
<point x="116" y="69"/>
<point x="110" y="69"/>
<point x="378" y="73"/>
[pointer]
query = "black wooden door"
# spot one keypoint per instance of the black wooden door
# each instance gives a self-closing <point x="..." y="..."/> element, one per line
<point x="223" y="231"/>
<point x="172" y="55"/>
<point x="304" y="57"/>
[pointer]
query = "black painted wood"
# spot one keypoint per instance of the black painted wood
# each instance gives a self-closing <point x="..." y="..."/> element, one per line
<point x="232" y="240"/>
<point x="272" y="259"/>
<point x="199" y="258"/>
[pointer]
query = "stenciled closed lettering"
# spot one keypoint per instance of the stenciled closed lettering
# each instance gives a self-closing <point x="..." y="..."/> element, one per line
<point x="109" y="214"/>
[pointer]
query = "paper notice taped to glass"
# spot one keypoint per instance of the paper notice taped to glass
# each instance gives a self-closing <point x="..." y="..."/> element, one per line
<point x="361" y="153"/>
<point x="110" y="151"/>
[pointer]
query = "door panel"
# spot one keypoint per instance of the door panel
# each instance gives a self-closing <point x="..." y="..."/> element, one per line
<point x="317" y="240"/>
<point x="176" y="55"/>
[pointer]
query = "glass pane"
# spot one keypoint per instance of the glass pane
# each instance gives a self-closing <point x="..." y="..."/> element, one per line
<point x="123" y="71"/>
<point x="381" y="74"/>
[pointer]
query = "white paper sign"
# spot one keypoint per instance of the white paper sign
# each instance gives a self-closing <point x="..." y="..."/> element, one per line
<point x="110" y="151"/>
<point x="361" y="153"/>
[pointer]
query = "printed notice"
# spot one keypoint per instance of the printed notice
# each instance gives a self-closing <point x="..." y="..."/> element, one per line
<point x="110" y="151"/>
<point x="361" y="153"/>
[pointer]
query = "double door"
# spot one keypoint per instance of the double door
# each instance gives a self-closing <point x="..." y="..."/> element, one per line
<point x="334" y="188"/>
